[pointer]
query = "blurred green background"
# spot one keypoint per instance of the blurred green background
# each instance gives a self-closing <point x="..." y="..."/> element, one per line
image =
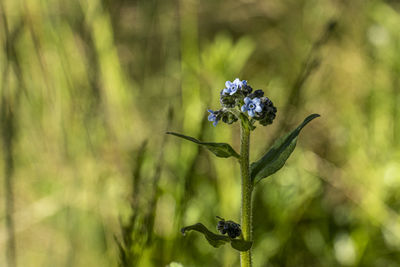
<point x="88" y="89"/>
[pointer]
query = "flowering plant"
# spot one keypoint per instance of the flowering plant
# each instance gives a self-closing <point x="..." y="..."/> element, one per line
<point x="240" y="103"/>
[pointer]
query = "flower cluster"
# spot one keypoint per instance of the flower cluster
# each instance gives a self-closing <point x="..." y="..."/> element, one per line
<point x="229" y="227"/>
<point x="239" y="96"/>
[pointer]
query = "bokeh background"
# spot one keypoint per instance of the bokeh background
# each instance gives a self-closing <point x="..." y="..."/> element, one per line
<point x="88" y="89"/>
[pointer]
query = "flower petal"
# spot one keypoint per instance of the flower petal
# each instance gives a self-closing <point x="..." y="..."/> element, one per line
<point x="251" y="113"/>
<point x="228" y="84"/>
<point x="247" y="100"/>
<point x="258" y="108"/>
<point x="256" y="101"/>
<point x="244" y="108"/>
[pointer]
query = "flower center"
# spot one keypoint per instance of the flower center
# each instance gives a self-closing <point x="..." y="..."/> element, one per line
<point x="251" y="106"/>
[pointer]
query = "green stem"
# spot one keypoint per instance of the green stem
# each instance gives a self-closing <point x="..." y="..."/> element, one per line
<point x="247" y="188"/>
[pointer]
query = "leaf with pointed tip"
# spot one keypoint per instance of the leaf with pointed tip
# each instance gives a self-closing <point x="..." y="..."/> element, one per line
<point x="222" y="150"/>
<point x="216" y="240"/>
<point x="277" y="155"/>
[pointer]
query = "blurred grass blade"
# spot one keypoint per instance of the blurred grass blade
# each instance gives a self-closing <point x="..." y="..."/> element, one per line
<point x="277" y="155"/>
<point x="123" y="261"/>
<point x="222" y="150"/>
<point x="136" y="171"/>
<point x="216" y="240"/>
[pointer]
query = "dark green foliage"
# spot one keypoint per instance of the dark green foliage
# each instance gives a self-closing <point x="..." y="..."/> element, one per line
<point x="277" y="155"/>
<point x="222" y="150"/>
<point x="216" y="240"/>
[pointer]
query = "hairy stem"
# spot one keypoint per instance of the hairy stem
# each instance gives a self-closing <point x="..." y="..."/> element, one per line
<point x="247" y="187"/>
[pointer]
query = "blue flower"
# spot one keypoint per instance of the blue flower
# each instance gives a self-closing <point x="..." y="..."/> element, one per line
<point x="251" y="106"/>
<point x="232" y="87"/>
<point x="239" y="83"/>
<point x="213" y="117"/>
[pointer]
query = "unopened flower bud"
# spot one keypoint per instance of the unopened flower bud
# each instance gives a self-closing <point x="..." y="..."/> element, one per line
<point x="227" y="100"/>
<point x="257" y="93"/>
<point x="246" y="89"/>
<point x="228" y="118"/>
<point x="268" y="113"/>
<point x="229" y="227"/>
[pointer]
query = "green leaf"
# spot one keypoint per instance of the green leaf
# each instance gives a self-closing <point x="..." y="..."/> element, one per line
<point x="277" y="155"/>
<point x="221" y="150"/>
<point x="241" y="245"/>
<point x="216" y="240"/>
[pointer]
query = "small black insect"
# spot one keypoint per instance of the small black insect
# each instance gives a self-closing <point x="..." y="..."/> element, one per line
<point x="229" y="227"/>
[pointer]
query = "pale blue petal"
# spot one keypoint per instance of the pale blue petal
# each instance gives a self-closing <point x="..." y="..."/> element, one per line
<point x="257" y="101"/>
<point x="233" y="90"/>
<point x="244" y="108"/>
<point x="258" y="109"/>
<point x="228" y="84"/>
<point x="247" y="100"/>
<point x="251" y="113"/>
